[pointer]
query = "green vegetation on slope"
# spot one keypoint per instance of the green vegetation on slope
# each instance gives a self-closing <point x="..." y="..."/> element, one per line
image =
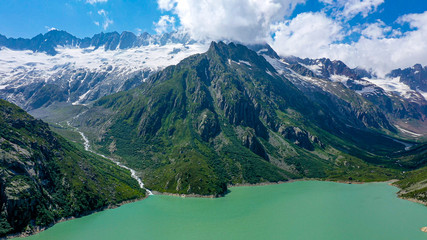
<point x="43" y="177"/>
<point x="227" y="117"/>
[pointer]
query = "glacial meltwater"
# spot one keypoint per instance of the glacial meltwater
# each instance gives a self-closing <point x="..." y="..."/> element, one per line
<point x="300" y="210"/>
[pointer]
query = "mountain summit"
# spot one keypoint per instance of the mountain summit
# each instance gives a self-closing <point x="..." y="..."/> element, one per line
<point x="228" y="116"/>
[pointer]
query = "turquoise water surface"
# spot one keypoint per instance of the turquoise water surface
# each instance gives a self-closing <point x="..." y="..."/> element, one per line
<point x="299" y="210"/>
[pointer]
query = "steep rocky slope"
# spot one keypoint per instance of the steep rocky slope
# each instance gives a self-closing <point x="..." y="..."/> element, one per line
<point x="228" y="116"/>
<point x="44" y="178"/>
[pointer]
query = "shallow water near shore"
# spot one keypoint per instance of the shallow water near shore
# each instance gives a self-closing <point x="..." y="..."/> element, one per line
<point x="303" y="210"/>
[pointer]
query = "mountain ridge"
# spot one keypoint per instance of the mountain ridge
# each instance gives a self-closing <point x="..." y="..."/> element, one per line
<point x="228" y="116"/>
<point x="53" y="39"/>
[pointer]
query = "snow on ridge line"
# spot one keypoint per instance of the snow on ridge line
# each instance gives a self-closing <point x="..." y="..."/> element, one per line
<point x="396" y="86"/>
<point x="387" y="84"/>
<point x="14" y="63"/>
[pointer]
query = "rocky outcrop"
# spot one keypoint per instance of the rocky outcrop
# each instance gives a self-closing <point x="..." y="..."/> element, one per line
<point x="300" y="137"/>
<point x="208" y="126"/>
<point x="250" y="141"/>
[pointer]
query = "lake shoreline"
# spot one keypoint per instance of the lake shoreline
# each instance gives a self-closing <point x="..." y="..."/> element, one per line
<point x="38" y="229"/>
<point x="192" y="195"/>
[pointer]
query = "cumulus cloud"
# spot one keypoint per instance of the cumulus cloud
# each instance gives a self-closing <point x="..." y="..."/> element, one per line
<point x="364" y="7"/>
<point x="107" y="21"/>
<point x="247" y="21"/>
<point x="165" y="24"/>
<point x="376" y="30"/>
<point x="306" y="35"/>
<point x="348" y="9"/>
<point x="327" y="33"/>
<point x="93" y="2"/>
<point x="376" y="49"/>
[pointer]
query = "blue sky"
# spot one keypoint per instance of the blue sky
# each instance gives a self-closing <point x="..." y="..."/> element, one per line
<point x="373" y="34"/>
<point x="27" y="18"/>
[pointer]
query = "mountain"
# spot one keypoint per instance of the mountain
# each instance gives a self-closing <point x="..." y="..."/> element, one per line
<point x="80" y="71"/>
<point x="404" y="108"/>
<point x="44" y="178"/>
<point x="231" y="115"/>
<point x="49" y="42"/>
<point x="62" y="68"/>
<point x="415" y="77"/>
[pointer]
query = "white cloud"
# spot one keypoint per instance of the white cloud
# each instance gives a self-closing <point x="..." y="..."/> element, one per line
<point x="166" y="4"/>
<point x="306" y="34"/>
<point x="107" y="20"/>
<point x="326" y="33"/>
<point x="50" y="28"/>
<point x="364" y="7"/>
<point x="165" y="24"/>
<point x="326" y="1"/>
<point x="245" y="21"/>
<point x="376" y="30"/>
<point x="96" y="23"/>
<point x="93" y="2"/>
<point x="315" y="35"/>
<point x="348" y="9"/>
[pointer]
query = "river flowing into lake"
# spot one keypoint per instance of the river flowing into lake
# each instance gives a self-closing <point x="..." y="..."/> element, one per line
<point x="87" y="147"/>
<point x="306" y="210"/>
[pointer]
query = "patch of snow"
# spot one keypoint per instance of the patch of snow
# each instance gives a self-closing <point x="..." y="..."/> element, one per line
<point x="408" y="132"/>
<point x="394" y="85"/>
<point x="339" y="78"/>
<point x="424" y="94"/>
<point x="262" y="50"/>
<point x="269" y="73"/>
<point x="245" y="62"/>
<point x="314" y="68"/>
<point x="81" y="98"/>
<point x="370" y="89"/>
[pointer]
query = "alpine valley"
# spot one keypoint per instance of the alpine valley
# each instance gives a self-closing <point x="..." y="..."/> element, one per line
<point x="193" y="118"/>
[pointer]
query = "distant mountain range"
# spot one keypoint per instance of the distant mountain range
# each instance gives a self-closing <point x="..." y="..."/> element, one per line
<point x="53" y="39"/>
<point x="58" y="67"/>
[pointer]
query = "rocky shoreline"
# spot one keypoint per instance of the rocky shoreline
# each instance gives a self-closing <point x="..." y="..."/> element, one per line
<point x="38" y="229"/>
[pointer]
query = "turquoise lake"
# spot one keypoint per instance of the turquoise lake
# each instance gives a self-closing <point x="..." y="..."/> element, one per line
<point x="298" y="210"/>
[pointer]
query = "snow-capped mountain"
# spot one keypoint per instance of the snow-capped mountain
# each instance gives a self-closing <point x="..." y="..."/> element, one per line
<point x="53" y="39"/>
<point x="78" y="71"/>
<point x="377" y="102"/>
<point x="414" y="77"/>
<point x="58" y="67"/>
<point x="400" y="82"/>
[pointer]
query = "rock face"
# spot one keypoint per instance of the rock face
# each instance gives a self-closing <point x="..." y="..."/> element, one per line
<point x="415" y="77"/>
<point x="44" y="178"/>
<point x="228" y="116"/>
<point x="298" y="136"/>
